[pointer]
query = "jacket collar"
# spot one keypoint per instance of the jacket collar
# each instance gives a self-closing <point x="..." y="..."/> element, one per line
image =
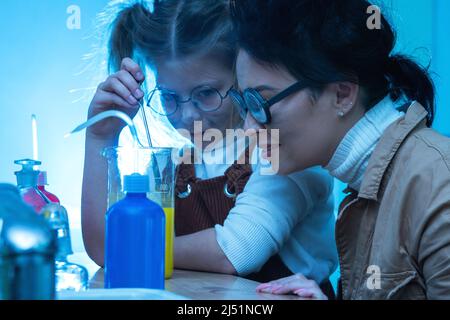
<point x="387" y="148"/>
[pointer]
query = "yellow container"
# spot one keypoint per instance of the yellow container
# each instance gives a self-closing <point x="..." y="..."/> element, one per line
<point x="170" y="225"/>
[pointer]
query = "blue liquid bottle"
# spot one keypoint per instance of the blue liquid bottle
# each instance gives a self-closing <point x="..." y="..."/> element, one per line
<point x="135" y="239"/>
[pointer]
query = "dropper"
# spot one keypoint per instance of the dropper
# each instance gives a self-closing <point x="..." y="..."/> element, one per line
<point x="143" y="84"/>
<point x="155" y="167"/>
<point x="144" y="119"/>
<point x="107" y="114"/>
<point x="123" y="116"/>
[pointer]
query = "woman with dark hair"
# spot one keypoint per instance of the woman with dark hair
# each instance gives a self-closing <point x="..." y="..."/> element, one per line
<point x="342" y="100"/>
<point x="228" y="219"/>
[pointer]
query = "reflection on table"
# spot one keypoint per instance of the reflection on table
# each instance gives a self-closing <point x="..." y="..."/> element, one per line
<point x="207" y="286"/>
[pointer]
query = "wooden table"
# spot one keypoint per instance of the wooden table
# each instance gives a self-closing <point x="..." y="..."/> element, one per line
<point x="191" y="284"/>
<point x="207" y="286"/>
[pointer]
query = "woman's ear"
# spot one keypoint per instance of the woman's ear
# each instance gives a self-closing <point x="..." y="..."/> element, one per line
<point x="345" y="95"/>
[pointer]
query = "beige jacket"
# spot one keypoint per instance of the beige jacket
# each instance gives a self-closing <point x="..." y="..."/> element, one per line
<point x="394" y="236"/>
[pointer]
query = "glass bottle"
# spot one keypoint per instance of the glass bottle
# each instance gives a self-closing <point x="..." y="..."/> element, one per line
<point x="69" y="276"/>
<point x="27" y="180"/>
<point x="42" y="182"/>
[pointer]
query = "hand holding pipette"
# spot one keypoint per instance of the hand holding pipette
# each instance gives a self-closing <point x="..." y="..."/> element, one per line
<point x="121" y="91"/>
<point x="115" y="104"/>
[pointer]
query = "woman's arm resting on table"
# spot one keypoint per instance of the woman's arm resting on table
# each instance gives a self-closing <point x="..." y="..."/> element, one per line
<point x="296" y="284"/>
<point x="200" y="251"/>
<point x="265" y="215"/>
<point x="203" y="251"/>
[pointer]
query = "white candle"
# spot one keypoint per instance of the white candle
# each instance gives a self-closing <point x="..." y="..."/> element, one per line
<point x="35" y="137"/>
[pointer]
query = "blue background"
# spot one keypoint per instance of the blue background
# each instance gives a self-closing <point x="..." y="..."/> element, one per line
<point x="41" y="62"/>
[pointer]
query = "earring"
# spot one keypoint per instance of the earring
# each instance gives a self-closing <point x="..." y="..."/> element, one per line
<point x="341" y="113"/>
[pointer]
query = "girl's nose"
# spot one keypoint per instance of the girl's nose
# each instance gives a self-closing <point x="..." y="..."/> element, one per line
<point x="190" y="112"/>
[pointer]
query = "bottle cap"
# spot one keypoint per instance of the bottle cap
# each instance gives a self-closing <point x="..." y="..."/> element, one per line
<point x="28" y="176"/>
<point x="42" y="178"/>
<point x="136" y="183"/>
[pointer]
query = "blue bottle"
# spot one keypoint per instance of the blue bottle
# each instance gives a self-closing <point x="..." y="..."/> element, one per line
<point x="135" y="239"/>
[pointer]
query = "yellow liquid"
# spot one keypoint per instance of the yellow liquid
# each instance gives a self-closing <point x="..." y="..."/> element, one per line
<point x="170" y="222"/>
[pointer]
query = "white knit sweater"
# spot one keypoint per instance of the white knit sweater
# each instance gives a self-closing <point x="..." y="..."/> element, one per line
<point x="351" y="158"/>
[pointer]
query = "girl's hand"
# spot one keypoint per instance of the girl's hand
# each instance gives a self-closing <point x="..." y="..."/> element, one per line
<point x="296" y="284"/>
<point x="121" y="91"/>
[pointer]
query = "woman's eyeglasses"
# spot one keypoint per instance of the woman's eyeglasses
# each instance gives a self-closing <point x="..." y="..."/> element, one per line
<point x="166" y="103"/>
<point x="252" y="101"/>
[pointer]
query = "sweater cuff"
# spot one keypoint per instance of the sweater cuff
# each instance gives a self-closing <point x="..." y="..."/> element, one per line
<point x="243" y="259"/>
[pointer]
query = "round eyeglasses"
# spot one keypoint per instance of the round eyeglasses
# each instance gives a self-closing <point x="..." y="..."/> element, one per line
<point x="166" y="103"/>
